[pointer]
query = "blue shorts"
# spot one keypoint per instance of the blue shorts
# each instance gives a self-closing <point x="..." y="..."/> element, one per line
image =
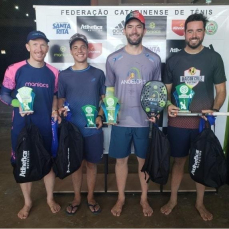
<point x="180" y="140"/>
<point x="122" y="137"/>
<point x="93" y="148"/>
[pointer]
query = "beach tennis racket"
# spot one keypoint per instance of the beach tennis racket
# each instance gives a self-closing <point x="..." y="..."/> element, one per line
<point x="153" y="98"/>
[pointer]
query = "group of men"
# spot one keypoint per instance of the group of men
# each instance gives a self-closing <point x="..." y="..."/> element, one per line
<point x="83" y="84"/>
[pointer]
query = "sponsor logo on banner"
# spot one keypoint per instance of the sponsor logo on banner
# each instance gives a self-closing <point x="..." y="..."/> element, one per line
<point x="156" y="27"/>
<point x="211" y="28"/>
<point x="173" y="47"/>
<point x="154" y="48"/>
<point x="94" y="50"/>
<point x="61" y="27"/>
<point x="93" y="27"/>
<point x="178" y="27"/>
<point x="134" y="77"/>
<point x="59" y="52"/>
<point x="118" y="30"/>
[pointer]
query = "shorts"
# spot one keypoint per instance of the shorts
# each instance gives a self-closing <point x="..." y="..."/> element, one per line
<point x="180" y="140"/>
<point x="93" y="148"/>
<point x="122" y="137"/>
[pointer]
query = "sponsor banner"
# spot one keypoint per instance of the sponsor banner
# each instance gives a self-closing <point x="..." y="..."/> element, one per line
<point x="156" y="27"/>
<point x="173" y="46"/>
<point x="60" y="27"/>
<point x="115" y="26"/>
<point x="103" y="26"/>
<point x="94" y="27"/>
<point x="157" y="46"/>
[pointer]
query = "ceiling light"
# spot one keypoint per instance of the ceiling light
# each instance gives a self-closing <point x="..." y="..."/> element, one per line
<point x="35" y="20"/>
<point x="16" y="7"/>
<point x="3" y="51"/>
<point x="26" y="15"/>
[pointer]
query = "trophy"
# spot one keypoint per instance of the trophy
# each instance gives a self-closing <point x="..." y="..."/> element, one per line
<point x="26" y="97"/>
<point x="183" y="96"/>
<point x="110" y="107"/>
<point x="90" y="113"/>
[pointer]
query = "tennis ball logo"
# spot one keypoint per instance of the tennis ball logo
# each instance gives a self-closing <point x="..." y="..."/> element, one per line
<point x="184" y="89"/>
<point x="152" y="25"/>
<point x="110" y="102"/>
<point x="88" y="110"/>
<point x="62" y="48"/>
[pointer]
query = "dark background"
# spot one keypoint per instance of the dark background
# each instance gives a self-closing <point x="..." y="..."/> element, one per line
<point x="15" y="25"/>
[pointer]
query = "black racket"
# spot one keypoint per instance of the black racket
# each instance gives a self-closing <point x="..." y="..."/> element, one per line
<point x="153" y="98"/>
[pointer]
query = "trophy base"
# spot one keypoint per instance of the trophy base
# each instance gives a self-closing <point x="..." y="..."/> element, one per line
<point x="184" y="111"/>
<point x="111" y="123"/>
<point x="25" y="112"/>
<point x="90" y="127"/>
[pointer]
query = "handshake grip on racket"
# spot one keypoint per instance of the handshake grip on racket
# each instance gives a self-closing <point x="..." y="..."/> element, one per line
<point x="153" y="98"/>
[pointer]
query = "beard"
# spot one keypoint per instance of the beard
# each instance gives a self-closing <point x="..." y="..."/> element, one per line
<point x="194" y="46"/>
<point x="135" y="42"/>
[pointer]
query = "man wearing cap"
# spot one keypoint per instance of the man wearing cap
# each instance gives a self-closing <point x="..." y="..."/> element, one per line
<point x="127" y="70"/>
<point x="42" y="78"/>
<point x="80" y="85"/>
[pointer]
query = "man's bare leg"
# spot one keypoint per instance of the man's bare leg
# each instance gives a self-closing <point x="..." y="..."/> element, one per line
<point x="121" y="172"/>
<point x="177" y="175"/>
<point x="26" y="191"/>
<point x="49" y="181"/>
<point x="77" y="178"/>
<point x="147" y="210"/>
<point x="204" y="213"/>
<point x="91" y="180"/>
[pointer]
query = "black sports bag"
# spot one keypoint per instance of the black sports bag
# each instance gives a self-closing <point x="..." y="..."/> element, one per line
<point x="207" y="163"/>
<point x="70" y="150"/>
<point x="157" y="160"/>
<point x="33" y="161"/>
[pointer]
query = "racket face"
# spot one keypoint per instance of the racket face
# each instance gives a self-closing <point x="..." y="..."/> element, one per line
<point x="153" y="98"/>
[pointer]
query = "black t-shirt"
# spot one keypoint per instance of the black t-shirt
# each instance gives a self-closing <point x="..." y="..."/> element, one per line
<point x="200" y="72"/>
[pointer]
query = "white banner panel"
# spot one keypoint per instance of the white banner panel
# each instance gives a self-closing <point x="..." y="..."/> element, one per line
<point x="103" y="26"/>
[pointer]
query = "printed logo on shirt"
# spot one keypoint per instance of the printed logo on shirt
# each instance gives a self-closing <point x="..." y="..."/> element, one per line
<point x="178" y="27"/>
<point x="211" y="28"/>
<point x="94" y="50"/>
<point x="192" y="77"/>
<point x="61" y="27"/>
<point x="32" y="84"/>
<point x="133" y="77"/>
<point x="118" y="30"/>
<point x="93" y="27"/>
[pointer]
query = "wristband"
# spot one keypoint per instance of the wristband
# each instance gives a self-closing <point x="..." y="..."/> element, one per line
<point x="216" y="110"/>
<point x="15" y="103"/>
<point x="168" y="103"/>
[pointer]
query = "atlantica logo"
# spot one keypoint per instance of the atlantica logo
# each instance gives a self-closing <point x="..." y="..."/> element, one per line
<point x="92" y="28"/>
<point x="62" y="27"/>
<point x="197" y="159"/>
<point x="25" y="163"/>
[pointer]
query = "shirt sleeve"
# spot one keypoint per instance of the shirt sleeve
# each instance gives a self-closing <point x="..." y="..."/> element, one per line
<point x="102" y="89"/>
<point x="110" y="76"/>
<point x="61" y="87"/>
<point x="167" y="77"/>
<point x="219" y="72"/>
<point x="5" y="95"/>
<point x="157" y="73"/>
